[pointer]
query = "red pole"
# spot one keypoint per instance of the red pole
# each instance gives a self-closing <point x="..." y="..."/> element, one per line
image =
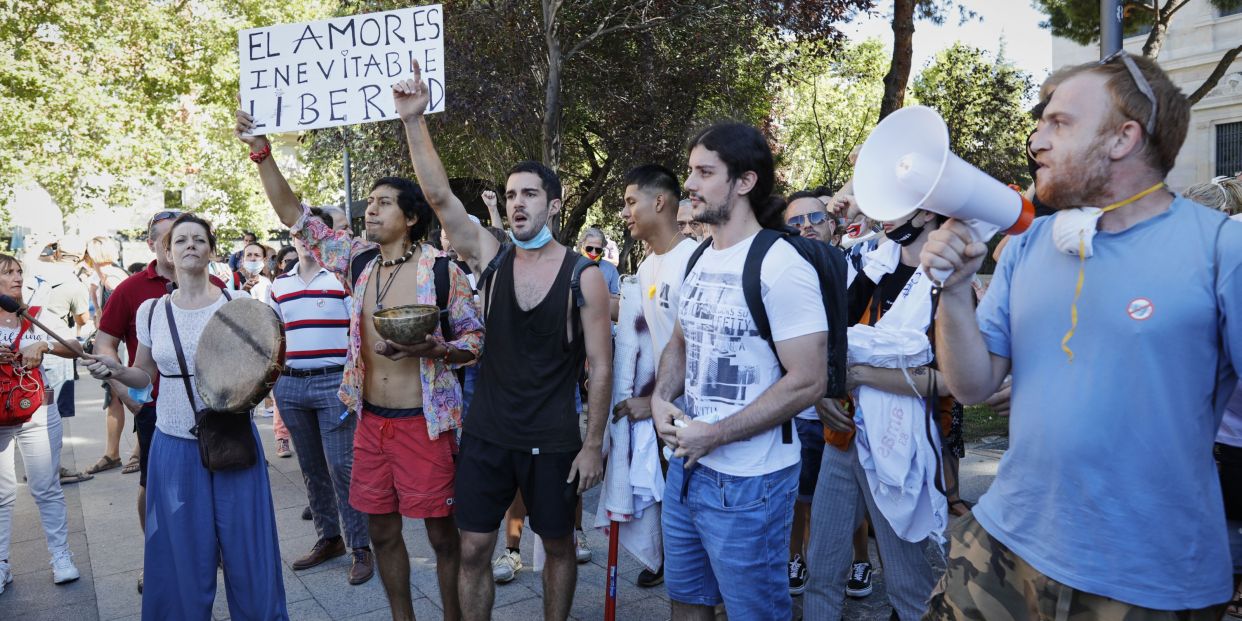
<point x="610" y="601"/>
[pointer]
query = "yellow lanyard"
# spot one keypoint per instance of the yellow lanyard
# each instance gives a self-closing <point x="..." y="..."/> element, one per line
<point x="1082" y="261"/>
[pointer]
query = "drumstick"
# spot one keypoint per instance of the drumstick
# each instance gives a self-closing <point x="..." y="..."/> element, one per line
<point x="13" y="306"/>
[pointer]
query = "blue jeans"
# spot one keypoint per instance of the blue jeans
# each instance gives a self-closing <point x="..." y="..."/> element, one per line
<point x="324" y="445"/>
<point x="730" y="530"/>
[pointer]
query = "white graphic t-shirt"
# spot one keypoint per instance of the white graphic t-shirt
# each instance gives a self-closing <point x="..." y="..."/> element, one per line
<point x="659" y="280"/>
<point x="728" y="365"/>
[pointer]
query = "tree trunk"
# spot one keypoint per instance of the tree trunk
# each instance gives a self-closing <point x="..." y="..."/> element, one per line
<point x="1155" y="38"/>
<point x="552" y="140"/>
<point x="903" y="58"/>
<point x="1214" y="78"/>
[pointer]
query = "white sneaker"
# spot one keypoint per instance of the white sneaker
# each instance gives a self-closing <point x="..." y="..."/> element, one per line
<point x="583" y="551"/>
<point x="63" y="569"/>
<point x="6" y="575"/>
<point x="506" y="566"/>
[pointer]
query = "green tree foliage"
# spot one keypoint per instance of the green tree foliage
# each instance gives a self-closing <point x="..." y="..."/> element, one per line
<point x="99" y="99"/>
<point x="635" y="78"/>
<point x="982" y="102"/>
<point x="827" y="110"/>
<point x="1079" y="21"/>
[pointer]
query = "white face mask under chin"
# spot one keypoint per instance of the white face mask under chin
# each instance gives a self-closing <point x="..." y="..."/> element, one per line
<point x="1074" y="229"/>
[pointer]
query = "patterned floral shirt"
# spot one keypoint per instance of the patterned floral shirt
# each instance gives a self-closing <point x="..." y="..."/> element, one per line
<point x="442" y="398"/>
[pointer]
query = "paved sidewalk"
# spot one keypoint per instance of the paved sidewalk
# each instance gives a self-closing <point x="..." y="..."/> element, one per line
<point x="107" y="547"/>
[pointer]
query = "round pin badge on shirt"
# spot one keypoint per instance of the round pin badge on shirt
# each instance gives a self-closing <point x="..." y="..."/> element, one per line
<point x="1140" y="309"/>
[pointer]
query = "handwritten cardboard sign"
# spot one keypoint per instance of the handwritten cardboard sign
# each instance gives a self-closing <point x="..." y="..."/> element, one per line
<point x="339" y="71"/>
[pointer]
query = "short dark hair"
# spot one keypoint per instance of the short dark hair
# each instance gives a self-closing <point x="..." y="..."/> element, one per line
<point x="246" y="234"/>
<point x="551" y="182"/>
<point x="653" y="176"/>
<point x="189" y="218"/>
<point x="803" y="194"/>
<point x="319" y="214"/>
<point x="412" y="203"/>
<point x="282" y="253"/>
<point x="256" y="244"/>
<point x="743" y="148"/>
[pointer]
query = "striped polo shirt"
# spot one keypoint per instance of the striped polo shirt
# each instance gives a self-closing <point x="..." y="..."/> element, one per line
<point x="316" y="318"/>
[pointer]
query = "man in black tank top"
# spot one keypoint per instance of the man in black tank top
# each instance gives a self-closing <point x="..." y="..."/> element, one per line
<point x="522" y="430"/>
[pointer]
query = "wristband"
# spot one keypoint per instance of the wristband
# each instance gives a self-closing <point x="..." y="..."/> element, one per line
<point x="259" y="156"/>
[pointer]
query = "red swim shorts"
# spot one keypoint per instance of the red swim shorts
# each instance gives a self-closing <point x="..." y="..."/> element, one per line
<point x="399" y="469"/>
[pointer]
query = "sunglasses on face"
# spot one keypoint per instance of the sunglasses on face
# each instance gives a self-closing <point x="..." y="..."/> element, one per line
<point x="816" y="219"/>
<point x="593" y="249"/>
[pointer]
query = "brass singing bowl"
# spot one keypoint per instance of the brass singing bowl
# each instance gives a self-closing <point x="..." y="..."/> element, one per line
<point x="406" y="325"/>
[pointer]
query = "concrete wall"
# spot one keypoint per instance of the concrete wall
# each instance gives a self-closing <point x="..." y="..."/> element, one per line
<point x="1197" y="39"/>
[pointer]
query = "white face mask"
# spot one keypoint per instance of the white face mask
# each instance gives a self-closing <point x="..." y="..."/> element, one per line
<point x="254" y="267"/>
<point x="1074" y="229"/>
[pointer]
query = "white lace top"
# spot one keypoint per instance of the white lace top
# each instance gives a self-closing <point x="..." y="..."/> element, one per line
<point x="174" y="412"/>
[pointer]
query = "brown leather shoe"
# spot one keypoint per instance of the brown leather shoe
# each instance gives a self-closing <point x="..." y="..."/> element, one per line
<point x="325" y="549"/>
<point x="363" y="567"/>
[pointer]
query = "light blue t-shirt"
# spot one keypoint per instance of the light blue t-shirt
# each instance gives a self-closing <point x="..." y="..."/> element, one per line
<point x="1109" y="485"/>
<point x="611" y="276"/>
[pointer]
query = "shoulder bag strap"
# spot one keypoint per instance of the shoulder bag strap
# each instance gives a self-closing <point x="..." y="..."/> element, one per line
<point x="185" y="372"/>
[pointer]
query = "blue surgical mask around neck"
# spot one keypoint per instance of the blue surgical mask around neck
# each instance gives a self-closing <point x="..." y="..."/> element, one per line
<point x="536" y="242"/>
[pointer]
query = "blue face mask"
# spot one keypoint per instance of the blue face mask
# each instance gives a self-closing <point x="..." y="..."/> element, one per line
<point x="535" y="243"/>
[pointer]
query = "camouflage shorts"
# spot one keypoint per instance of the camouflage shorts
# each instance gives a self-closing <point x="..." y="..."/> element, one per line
<point x="985" y="581"/>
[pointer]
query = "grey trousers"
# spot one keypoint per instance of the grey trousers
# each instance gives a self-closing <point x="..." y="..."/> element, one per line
<point x="324" y="446"/>
<point x="835" y="513"/>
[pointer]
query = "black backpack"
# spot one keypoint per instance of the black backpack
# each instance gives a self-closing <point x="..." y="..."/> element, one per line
<point x="440" y="271"/>
<point x="575" y="283"/>
<point x="829" y="264"/>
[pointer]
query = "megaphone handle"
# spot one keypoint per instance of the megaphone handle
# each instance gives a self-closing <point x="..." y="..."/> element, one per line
<point x="980" y="231"/>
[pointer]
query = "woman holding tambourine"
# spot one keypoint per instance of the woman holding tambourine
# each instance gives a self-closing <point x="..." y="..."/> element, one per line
<point x="196" y="517"/>
<point x="25" y="424"/>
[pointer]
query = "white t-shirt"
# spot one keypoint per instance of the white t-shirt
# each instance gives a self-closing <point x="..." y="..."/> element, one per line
<point x="728" y="365"/>
<point x="174" y="414"/>
<point x="32" y="336"/>
<point x="659" y="281"/>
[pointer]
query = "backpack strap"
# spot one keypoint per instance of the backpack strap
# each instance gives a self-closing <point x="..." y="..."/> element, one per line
<point x="486" y="278"/>
<point x="752" y="289"/>
<point x="440" y="272"/>
<point x="358" y="264"/>
<point x="577" y="300"/>
<point x="694" y="256"/>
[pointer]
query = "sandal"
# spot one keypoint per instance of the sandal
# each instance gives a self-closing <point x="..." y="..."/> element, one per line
<point x="105" y="463"/>
<point x="132" y="466"/>
<point x="67" y="477"/>
<point x="966" y="507"/>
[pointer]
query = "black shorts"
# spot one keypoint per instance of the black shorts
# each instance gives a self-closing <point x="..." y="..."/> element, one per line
<point x="144" y="426"/>
<point x="488" y="476"/>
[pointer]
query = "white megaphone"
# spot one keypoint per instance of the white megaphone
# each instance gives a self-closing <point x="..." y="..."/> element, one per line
<point x="906" y="164"/>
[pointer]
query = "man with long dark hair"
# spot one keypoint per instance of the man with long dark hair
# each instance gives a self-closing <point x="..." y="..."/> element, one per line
<point x="733" y="480"/>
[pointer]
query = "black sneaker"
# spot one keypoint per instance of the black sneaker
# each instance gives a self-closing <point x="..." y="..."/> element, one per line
<point x="797" y="575"/>
<point x="647" y="578"/>
<point x="859" y="584"/>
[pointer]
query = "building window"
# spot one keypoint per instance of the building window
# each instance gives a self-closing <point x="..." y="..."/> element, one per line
<point x="1229" y="149"/>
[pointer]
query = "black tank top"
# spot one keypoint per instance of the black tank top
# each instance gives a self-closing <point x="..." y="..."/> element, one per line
<point x="525" y="395"/>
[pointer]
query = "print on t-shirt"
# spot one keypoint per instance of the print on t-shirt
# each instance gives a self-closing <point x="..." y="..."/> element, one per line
<point x="720" y="373"/>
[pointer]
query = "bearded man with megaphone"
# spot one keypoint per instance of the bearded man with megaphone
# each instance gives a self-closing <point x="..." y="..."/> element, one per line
<point x="1120" y="318"/>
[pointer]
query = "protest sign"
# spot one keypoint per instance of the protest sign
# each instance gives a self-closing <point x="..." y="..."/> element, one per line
<point x="339" y="71"/>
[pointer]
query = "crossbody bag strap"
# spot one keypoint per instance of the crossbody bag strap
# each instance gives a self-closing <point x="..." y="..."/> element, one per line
<point x="185" y="372"/>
